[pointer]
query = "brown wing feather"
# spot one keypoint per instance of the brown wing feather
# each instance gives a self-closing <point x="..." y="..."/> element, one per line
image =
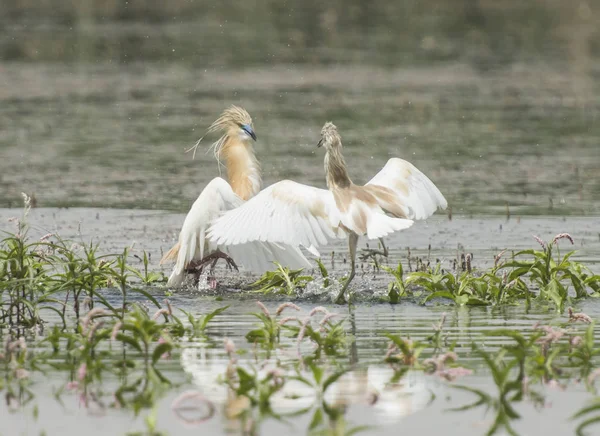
<point x="171" y="254"/>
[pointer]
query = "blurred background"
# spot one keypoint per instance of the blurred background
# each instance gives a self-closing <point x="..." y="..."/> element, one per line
<point x="496" y="101"/>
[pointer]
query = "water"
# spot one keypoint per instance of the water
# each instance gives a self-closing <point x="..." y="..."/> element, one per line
<point x="498" y="105"/>
<point x="115" y="135"/>
<point x="407" y="403"/>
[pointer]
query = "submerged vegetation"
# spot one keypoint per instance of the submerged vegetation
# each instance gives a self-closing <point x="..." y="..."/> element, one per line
<point x="95" y="323"/>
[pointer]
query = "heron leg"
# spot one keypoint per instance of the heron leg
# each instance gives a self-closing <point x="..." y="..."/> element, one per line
<point x="352" y="243"/>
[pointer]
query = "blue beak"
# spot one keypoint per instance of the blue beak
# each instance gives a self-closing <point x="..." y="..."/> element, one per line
<point x="248" y="129"/>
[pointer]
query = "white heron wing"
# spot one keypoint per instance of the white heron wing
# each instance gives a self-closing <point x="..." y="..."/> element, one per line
<point x="258" y="256"/>
<point x="287" y="213"/>
<point x="420" y="197"/>
<point x="216" y="198"/>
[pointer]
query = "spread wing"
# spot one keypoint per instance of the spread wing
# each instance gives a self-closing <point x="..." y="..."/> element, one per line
<point x="419" y="196"/>
<point x="217" y="198"/>
<point x="287" y="213"/>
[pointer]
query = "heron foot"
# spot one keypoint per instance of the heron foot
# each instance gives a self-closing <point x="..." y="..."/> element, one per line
<point x="196" y="267"/>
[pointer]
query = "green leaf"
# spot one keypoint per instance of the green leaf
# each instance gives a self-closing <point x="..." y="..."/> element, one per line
<point x="332" y="379"/>
<point x="211" y="315"/>
<point x="129" y="340"/>
<point x="316" y="420"/>
<point x="148" y="296"/>
<point x="557" y="293"/>
<point x="161" y="349"/>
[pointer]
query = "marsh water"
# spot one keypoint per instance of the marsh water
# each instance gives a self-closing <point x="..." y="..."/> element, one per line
<point x="499" y="107"/>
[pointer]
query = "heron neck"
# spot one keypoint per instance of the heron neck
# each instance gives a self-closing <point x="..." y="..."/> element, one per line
<point x="243" y="169"/>
<point x="335" y="169"/>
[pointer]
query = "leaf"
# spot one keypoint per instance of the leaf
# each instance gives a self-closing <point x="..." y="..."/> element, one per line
<point x="129" y="340"/>
<point x="317" y="372"/>
<point x="332" y="379"/>
<point x="393" y="294"/>
<point x="147" y="295"/>
<point x="581" y="427"/>
<point x="484" y="398"/>
<point x="161" y="349"/>
<point x="593" y="407"/>
<point x="508" y="333"/>
<point x="324" y="273"/>
<point x="211" y="315"/>
<point x="316" y="420"/>
<point x="557" y="293"/>
<point x="301" y="380"/>
<point x="440" y="294"/>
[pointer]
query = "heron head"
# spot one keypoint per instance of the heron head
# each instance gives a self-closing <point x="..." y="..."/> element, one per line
<point x="235" y="121"/>
<point x="330" y="137"/>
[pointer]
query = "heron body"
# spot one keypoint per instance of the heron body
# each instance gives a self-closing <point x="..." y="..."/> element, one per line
<point x="235" y="148"/>
<point x="299" y="215"/>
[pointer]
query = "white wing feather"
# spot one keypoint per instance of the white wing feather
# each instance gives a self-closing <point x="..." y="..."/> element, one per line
<point x="286" y="213"/>
<point x="217" y="198"/>
<point x="418" y="194"/>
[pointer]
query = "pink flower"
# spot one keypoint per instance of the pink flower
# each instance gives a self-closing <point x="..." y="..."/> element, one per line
<point x="563" y="236"/>
<point x="82" y="372"/>
<point x="574" y="317"/>
<point x="160" y="312"/>
<point x="115" y="330"/>
<point x="453" y="373"/>
<point x="539" y="241"/>
<point x="263" y="308"/>
<point x="284" y="306"/>
<point x="327" y="318"/>
<point x="318" y="309"/>
<point x="288" y="319"/>
<point x="229" y="347"/>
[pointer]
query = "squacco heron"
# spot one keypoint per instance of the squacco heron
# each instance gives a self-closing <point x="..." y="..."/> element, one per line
<point x="194" y="250"/>
<point x="293" y="214"/>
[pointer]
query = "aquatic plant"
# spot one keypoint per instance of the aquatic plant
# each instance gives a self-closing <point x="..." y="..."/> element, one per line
<point x="593" y="409"/>
<point x="324" y="273"/>
<point x="281" y="281"/>
<point x="551" y="275"/>
<point x="198" y="324"/>
<point x="329" y="337"/>
<point x="268" y="332"/>
<point x="509" y="390"/>
<point x="403" y="351"/>
<point x="397" y="288"/>
<point x="146" y="276"/>
<point x="112" y="351"/>
<point x="504" y="283"/>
